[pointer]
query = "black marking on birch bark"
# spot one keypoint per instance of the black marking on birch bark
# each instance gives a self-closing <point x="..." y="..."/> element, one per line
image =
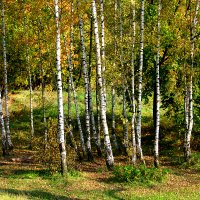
<point x="108" y="148"/>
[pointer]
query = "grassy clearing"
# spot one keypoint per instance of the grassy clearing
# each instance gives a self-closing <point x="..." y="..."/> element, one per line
<point x="30" y="179"/>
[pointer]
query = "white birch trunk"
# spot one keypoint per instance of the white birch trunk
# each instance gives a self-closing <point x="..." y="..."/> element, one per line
<point x="186" y="107"/>
<point x="157" y="122"/>
<point x="103" y="58"/>
<point x="71" y="85"/>
<point x="124" y="113"/>
<point x="95" y="135"/>
<point x="134" y="157"/>
<point x="86" y="80"/>
<point x="92" y="118"/>
<point x="98" y="111"/>
<point x="98" y="108"/>
<point x="70" y="57"/>
<point x="3" y="134"/>
<point x="74" y="93"/>
<point x="108" y="147"/>
<point x="61" y="135"/>
<point x="125" y="120"/>
<point x="114" y="138"/>
<point x="190" y="118"/>
<point x="139" y="110"/>
<point x="186" y="112"/>
<point x="77" y="115"/>
<point x="8" y="138"/>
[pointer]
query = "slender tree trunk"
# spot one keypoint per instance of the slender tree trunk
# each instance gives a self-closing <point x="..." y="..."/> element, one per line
<point x="86" y="80"/>
<point x="108" y="147"/>
<point x="186" y="107"/>
<point x="30" y="83"/>
<point x="70" y="57"/>
<point x="139" y="114"/>
<point x="77" y="115"/>
<point x="186" y="100"/>
<point x="114" y="138"/>
<point x="98" y="112"/>
<point x="3" y="135"/>
<point x="92" y="119"/>
<point x="103" y="57"/>
<point x="98" y="108"/>
<point x="8" y="138"/>
<point x="134" y="158"/>
<point x="71" y="86"/>
<point x="190" y="118"/>
<point x="125" y="120"/>
<point x="95" y="135"/>
<point x="61" y="135"/>
<point x="157" y="122"/>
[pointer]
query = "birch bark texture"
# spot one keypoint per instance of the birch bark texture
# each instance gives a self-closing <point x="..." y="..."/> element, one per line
<point x="134" y="157"/>
<point x="108" y="147"/>
<point x="71" y="86"/>
<point x="157" y="122"/>
<point x="194" y="22"/>
<point x="70" y="57"/>
<point x="139" y="108"/>
<point x="103" y="56"/>
<point x="61" y="136"/>
<point x="8" y="137"/>
<point x="114" y="137"/>
<point x="96" y="136"/>
<point x="3" y="134"/>
<point x="86" y="80"/>
<point x="124" y="113"/>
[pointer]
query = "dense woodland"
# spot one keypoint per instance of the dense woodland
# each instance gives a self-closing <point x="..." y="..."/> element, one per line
<point x="120" y="55"/>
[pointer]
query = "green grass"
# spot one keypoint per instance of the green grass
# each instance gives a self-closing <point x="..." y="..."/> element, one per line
<point x="30" y="182"/>
<point x="34" y="181"/>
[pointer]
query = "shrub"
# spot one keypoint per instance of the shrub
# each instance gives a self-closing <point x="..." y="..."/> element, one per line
<point x="130" y="173"/>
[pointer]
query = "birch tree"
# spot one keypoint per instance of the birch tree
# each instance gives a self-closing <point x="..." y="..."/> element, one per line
<point x="8" y="138"/>
<point x="190" y="89"/>
<point x="103" y="56"/>
<point x="124" y="113"/>
<point x="139" y="108"/>
<point x="108" y="147"/>
<point x="61" y="136"/>
<point x="157" y="94"/>
<point x="133" y="84"/>
<point x="72" y="87"/>
<point x="3" y="134"/>
<point x="70" y="57"/>
<point x="95" y="132"/>
<point x="114" y="138"/>
<point x="86" y="80"/>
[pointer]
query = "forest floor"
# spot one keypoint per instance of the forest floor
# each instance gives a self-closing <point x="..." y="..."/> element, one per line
<point x="21" y="177"/>
<point x="24" y="175"/>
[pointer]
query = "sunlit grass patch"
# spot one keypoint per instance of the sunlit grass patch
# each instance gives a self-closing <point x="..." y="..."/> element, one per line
<point x="130" y="174"/>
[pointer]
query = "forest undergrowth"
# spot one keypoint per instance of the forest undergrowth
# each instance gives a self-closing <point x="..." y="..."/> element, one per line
<point x="33" y="174"/>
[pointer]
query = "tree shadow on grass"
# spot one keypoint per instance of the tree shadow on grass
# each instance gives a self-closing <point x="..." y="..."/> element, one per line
<point x="32" y="174"/>
<point x="36" y="194"/>
<point x="113" y="194"/>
